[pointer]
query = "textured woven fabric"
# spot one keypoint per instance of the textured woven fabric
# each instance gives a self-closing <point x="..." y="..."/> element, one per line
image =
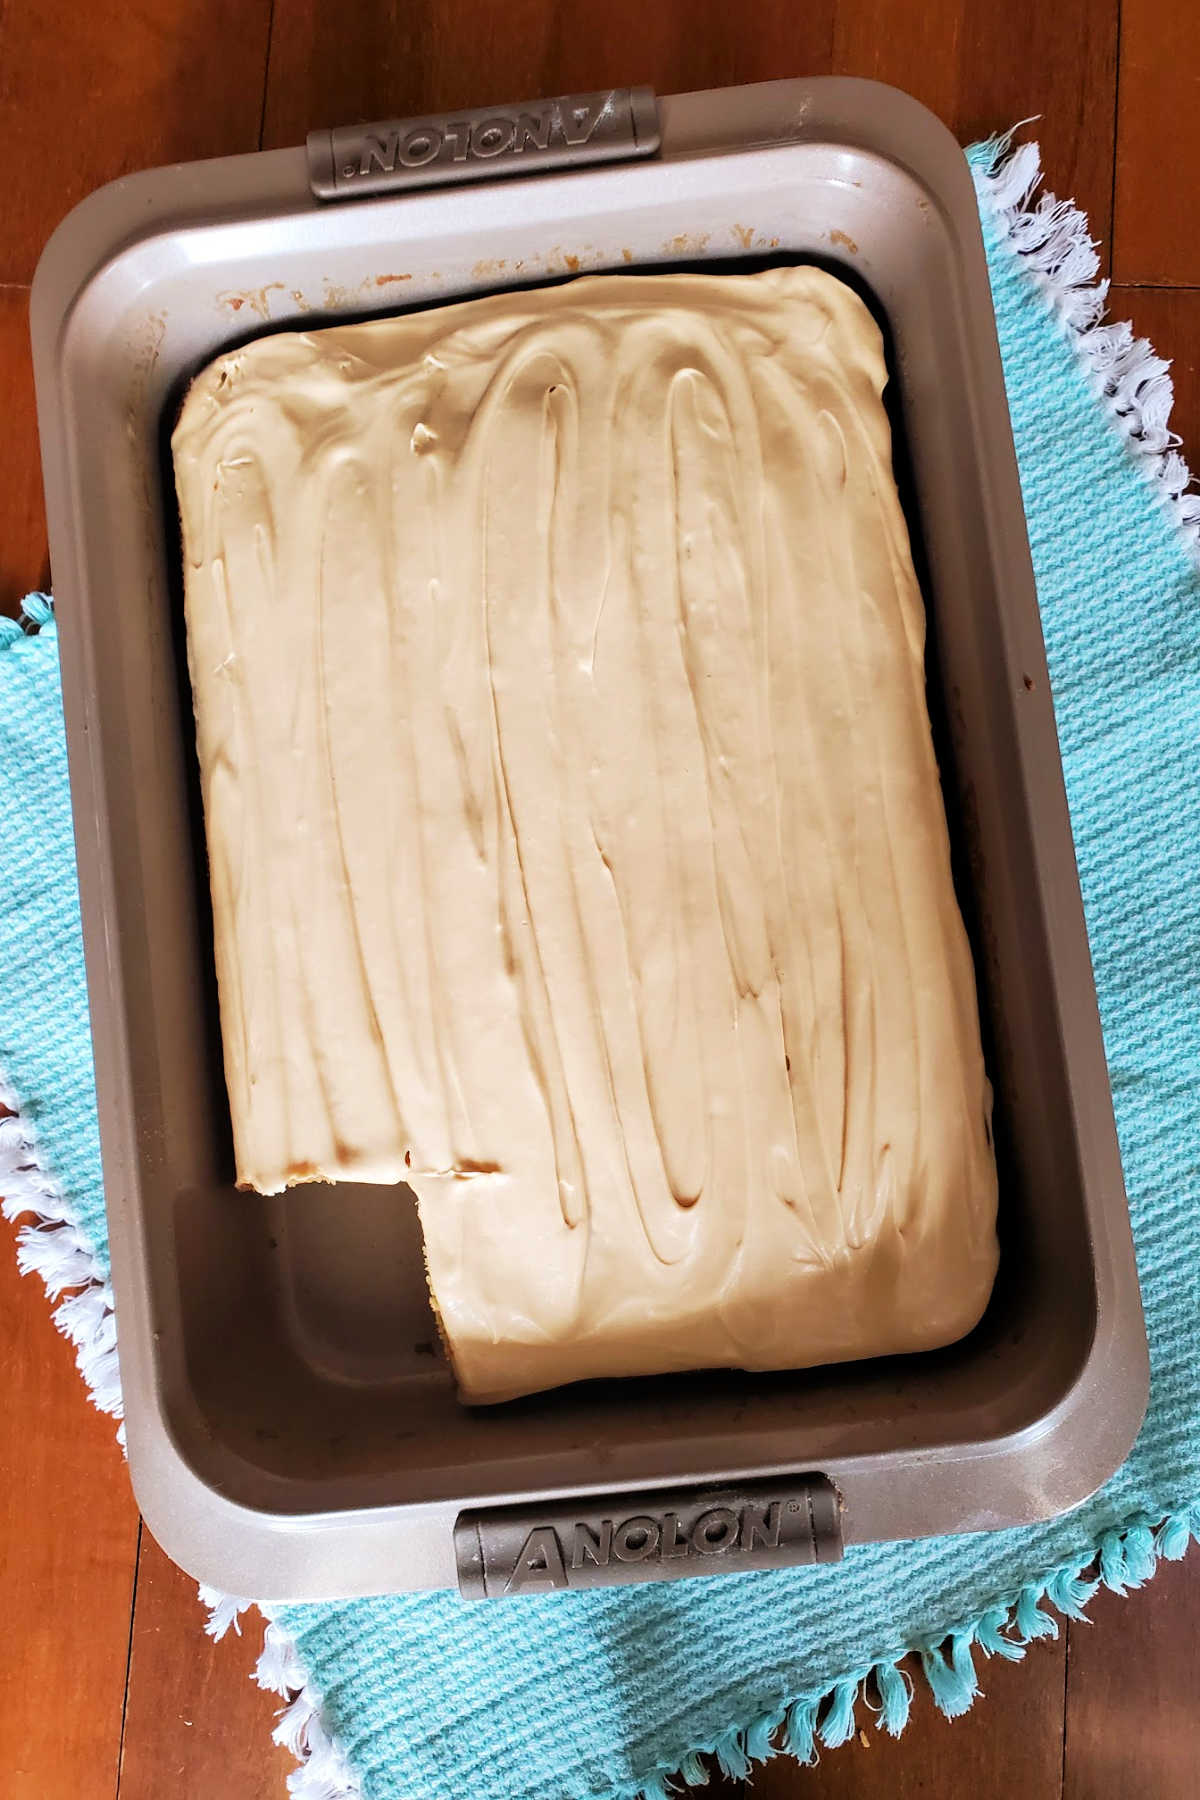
<point x="588" y="1695"/>
<point x="45" y="1035"/>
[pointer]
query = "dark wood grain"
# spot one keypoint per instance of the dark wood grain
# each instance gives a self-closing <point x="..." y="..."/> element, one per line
<point x="983" y="66"/>
<point x="23" y="560"/>
<point x="196" y="1726"/>
<point x="68" y="1540"/>
<point x="1156" y="232"/>
<point x="1133" y="1725"/>
<point x="91" y="89"/>
<point x="332" y="67"/>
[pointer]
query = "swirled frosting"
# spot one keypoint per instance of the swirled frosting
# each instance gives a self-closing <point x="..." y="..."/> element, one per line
<point x="577" y="848"/>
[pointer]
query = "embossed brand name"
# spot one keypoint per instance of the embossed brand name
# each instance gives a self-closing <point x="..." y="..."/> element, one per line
<point x="553" y="125"/>
<point x="547" y="1556"/>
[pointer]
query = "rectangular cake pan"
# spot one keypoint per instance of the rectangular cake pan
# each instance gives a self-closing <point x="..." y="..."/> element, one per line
<point x="293" y="1429"/>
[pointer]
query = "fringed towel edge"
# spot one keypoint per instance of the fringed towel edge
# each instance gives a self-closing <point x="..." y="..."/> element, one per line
<point x="1053" y="244"/>
<point x="828" y="1716"/>
<point x="53" y="1245"/>
<point x="323" y="1772"/>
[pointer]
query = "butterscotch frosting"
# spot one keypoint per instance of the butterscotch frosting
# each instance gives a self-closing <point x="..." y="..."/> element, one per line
<point x="577" y="849"/>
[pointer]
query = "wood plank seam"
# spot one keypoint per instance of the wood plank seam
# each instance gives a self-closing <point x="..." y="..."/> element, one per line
<point x="1066" y="1688"/>
<point x="137" y="1563"/>
<point x="1112" y="194"/>
<point x="266" y="83"/>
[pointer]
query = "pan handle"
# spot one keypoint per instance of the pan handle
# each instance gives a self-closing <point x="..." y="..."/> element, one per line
<point x="607" y="1540"/>
<point x="479" y="143"/>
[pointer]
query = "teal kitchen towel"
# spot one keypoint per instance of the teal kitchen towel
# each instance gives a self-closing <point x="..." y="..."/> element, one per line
<point x="608" y="1695"/>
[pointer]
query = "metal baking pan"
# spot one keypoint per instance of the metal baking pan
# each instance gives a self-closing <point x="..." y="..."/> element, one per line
<point x="292" y="1430"/>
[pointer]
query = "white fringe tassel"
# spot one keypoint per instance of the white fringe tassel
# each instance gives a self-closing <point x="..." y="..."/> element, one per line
<point x="323" y="1772"/>
<point x="1051" y="238"/>
<point x="53" y="1246"/>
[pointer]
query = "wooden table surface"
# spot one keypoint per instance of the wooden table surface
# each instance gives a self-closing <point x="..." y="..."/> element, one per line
<point x="108" y="1689"/>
